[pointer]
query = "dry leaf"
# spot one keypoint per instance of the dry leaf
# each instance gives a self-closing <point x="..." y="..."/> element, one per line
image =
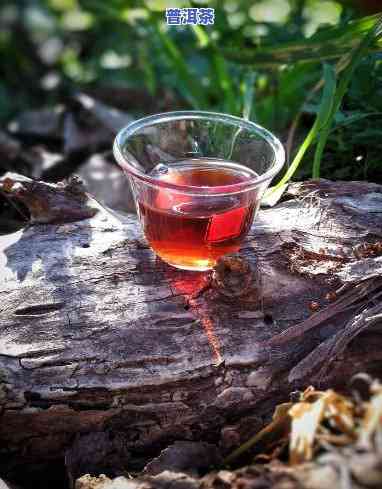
<point x="278" y="428"/>
<point x="320" y="420"/>
<point x="340" y="412"/>
<point x="306" y="419"/>
<point x="372" y="421"/>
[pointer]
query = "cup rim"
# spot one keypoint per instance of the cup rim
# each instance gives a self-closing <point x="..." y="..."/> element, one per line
<point x="133" y="127"/>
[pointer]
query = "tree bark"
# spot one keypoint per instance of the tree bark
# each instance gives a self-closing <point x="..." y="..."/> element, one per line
<point x="107" y="354"/>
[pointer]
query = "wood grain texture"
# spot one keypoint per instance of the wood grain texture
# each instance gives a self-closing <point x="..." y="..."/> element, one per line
<point x="97" y="335"/>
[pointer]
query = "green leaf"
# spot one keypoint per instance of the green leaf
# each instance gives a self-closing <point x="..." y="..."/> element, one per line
<point x="249" y="95"/>
<point x="351" y="119"/>
<point x="329" y="43"/>
<point x="324" y="117"/>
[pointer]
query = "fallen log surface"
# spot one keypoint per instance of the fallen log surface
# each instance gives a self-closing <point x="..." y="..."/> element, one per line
<point x="107" y="355"/>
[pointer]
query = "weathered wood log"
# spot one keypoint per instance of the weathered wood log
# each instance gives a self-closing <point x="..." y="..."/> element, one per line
<point x="107" y="354"/>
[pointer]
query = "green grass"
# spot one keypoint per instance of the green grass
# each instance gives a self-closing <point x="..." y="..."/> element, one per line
<point x="373" y="35"/>
<point x="322" y="95"/>
<point x="332" y="96"/>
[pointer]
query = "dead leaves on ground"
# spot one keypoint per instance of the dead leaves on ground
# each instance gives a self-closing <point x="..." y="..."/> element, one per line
<point x="317" y="422"/>
<point x="319" y="416"/>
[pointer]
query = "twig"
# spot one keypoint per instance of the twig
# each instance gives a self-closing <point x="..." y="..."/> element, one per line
<point x="358" y="292"/>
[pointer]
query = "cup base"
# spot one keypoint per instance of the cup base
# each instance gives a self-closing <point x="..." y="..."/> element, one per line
<point x="188" y="268"/>
<point x="195" y="262"/>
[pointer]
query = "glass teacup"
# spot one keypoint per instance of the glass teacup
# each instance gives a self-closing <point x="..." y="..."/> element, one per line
<point x="197" y="180"/>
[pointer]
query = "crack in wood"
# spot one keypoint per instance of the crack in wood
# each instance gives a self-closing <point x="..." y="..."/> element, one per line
<point x="39" y="309"/>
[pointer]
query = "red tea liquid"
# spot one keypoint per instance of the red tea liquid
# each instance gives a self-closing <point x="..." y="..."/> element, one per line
<point x="192" y="232"/>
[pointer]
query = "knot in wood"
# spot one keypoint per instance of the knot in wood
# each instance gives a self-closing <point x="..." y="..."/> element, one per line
<point x="233" y="276"/>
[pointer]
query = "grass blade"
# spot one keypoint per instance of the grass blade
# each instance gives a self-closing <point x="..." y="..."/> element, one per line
<point x="339" y="67"/>
<point x="351" y="119"/>
<point x="327" y="103"/>
<point x="201" y="36"/>
<point x="249" y="95"/>
<point x="318" y="155"/>
<point x="327" y="100"/>
<point x="224" y="81"/>
<point x="148" y="69"/>
<point x="321" y="119"/>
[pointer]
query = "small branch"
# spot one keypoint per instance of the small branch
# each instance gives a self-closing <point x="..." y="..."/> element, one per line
<point x="359" y="292"/>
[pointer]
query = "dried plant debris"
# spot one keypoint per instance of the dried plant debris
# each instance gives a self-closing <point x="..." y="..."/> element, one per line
<point x="314" y="306"/>
<point x="321" y="422"/>
<point x="319" y="416"/>
<point x="165" y="480"/>
<point x="323" y="261"/>
<point x="368" y="250"/>
<point x="277" y="430"/>
<point x="4" y="485"/>
<point x="311" y="263"/>
<point x="371" y="425"/>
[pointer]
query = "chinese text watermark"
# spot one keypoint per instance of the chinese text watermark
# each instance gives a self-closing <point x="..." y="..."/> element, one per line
<point x="190" y="16"/>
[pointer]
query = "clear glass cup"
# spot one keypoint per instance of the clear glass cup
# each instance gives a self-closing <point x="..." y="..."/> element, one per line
<point x="197" y="180"/>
